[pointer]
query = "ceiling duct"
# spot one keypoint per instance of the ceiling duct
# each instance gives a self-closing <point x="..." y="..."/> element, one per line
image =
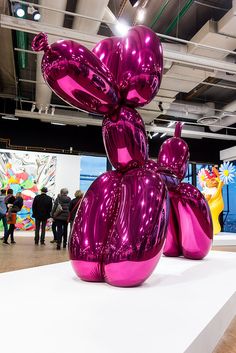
<point x="209" y="35"/>
<point x="194" y="108"/>
<point x="208" y="120"/>
<point x="226" y="119"/>
<point x="92" y="8"/>
<point x="190" y="111"/>
<point x="43" y="92"/>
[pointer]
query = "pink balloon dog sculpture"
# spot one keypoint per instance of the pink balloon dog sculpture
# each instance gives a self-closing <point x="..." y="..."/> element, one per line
<point x="190" y="230"/>
<point x="119" y="230"/>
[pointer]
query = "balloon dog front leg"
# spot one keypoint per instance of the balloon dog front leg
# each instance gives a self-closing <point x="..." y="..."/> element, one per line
<point x="92" y="225"/>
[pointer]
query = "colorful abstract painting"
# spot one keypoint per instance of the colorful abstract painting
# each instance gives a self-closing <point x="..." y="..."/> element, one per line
<point x="28" y="173"/>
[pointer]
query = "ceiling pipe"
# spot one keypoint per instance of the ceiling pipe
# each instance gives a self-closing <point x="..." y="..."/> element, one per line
<point x="179" y="16"/>
<point x="159" y="13"/>
<point x="226" y="118"/>
<point x="211" y="6"/>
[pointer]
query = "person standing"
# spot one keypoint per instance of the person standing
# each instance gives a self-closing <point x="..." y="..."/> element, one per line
<point x="74" y="205"/>
<point x="54" y="232"/>
<point x="42" y="206"/>
<point x="60" y="214"/>
<point x="10" y="198"/>
<point x="3" y="211"/>
<point x="17" y="206"/>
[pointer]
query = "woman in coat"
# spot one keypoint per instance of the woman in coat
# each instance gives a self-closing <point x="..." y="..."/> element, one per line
<point x="60" y="214"/>
<point x="17" y="206"/>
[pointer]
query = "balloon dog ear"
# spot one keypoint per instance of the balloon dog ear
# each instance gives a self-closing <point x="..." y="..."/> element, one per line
<point x="136" y="62"/>
<point x="69" y="69"/>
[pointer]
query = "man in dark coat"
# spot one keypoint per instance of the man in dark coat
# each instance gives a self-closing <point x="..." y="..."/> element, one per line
<point x="42" y="206"/>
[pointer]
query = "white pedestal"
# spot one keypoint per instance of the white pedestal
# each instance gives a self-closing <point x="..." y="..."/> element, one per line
<point x="185" y="306"/>
<point x="224" y="239"/>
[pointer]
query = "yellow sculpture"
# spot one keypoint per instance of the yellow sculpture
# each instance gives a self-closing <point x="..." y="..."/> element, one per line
<point x="212" y="184"/>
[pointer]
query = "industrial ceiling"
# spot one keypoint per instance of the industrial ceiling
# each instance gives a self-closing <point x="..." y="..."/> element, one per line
<point x="199" y="41"/>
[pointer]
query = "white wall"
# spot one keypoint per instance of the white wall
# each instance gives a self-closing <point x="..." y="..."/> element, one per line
<point x="68" y="173"/>
<point x="228" y="154"/>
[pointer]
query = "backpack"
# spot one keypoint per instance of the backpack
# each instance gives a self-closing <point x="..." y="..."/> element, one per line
<point x="58" y="210"/>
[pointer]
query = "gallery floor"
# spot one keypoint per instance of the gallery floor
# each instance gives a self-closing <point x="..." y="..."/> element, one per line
<point x="26" y="255"/>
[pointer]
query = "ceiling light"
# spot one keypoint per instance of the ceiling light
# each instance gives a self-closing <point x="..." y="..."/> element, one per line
<point x="60" y="124"/>
<point x="18" y="10"/>
<point x="171" y="123"/>
<point x="35" y="13"/>
<point x="9" y="117"/>
<point x="155" y="134"/>
<point x="134" y="3"/>
<point x="140" y="15"/>
<point x="122" y="28"/>
<point x="163" y="134"/>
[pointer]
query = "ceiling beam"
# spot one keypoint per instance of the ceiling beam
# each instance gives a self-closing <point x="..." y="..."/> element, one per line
<point x="84" y="119"/>
<point x="34" y="27"/>
<point x="183" y="58"/>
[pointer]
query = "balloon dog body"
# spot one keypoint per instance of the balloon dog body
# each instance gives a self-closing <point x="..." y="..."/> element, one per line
<point x="119" y="230"/>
